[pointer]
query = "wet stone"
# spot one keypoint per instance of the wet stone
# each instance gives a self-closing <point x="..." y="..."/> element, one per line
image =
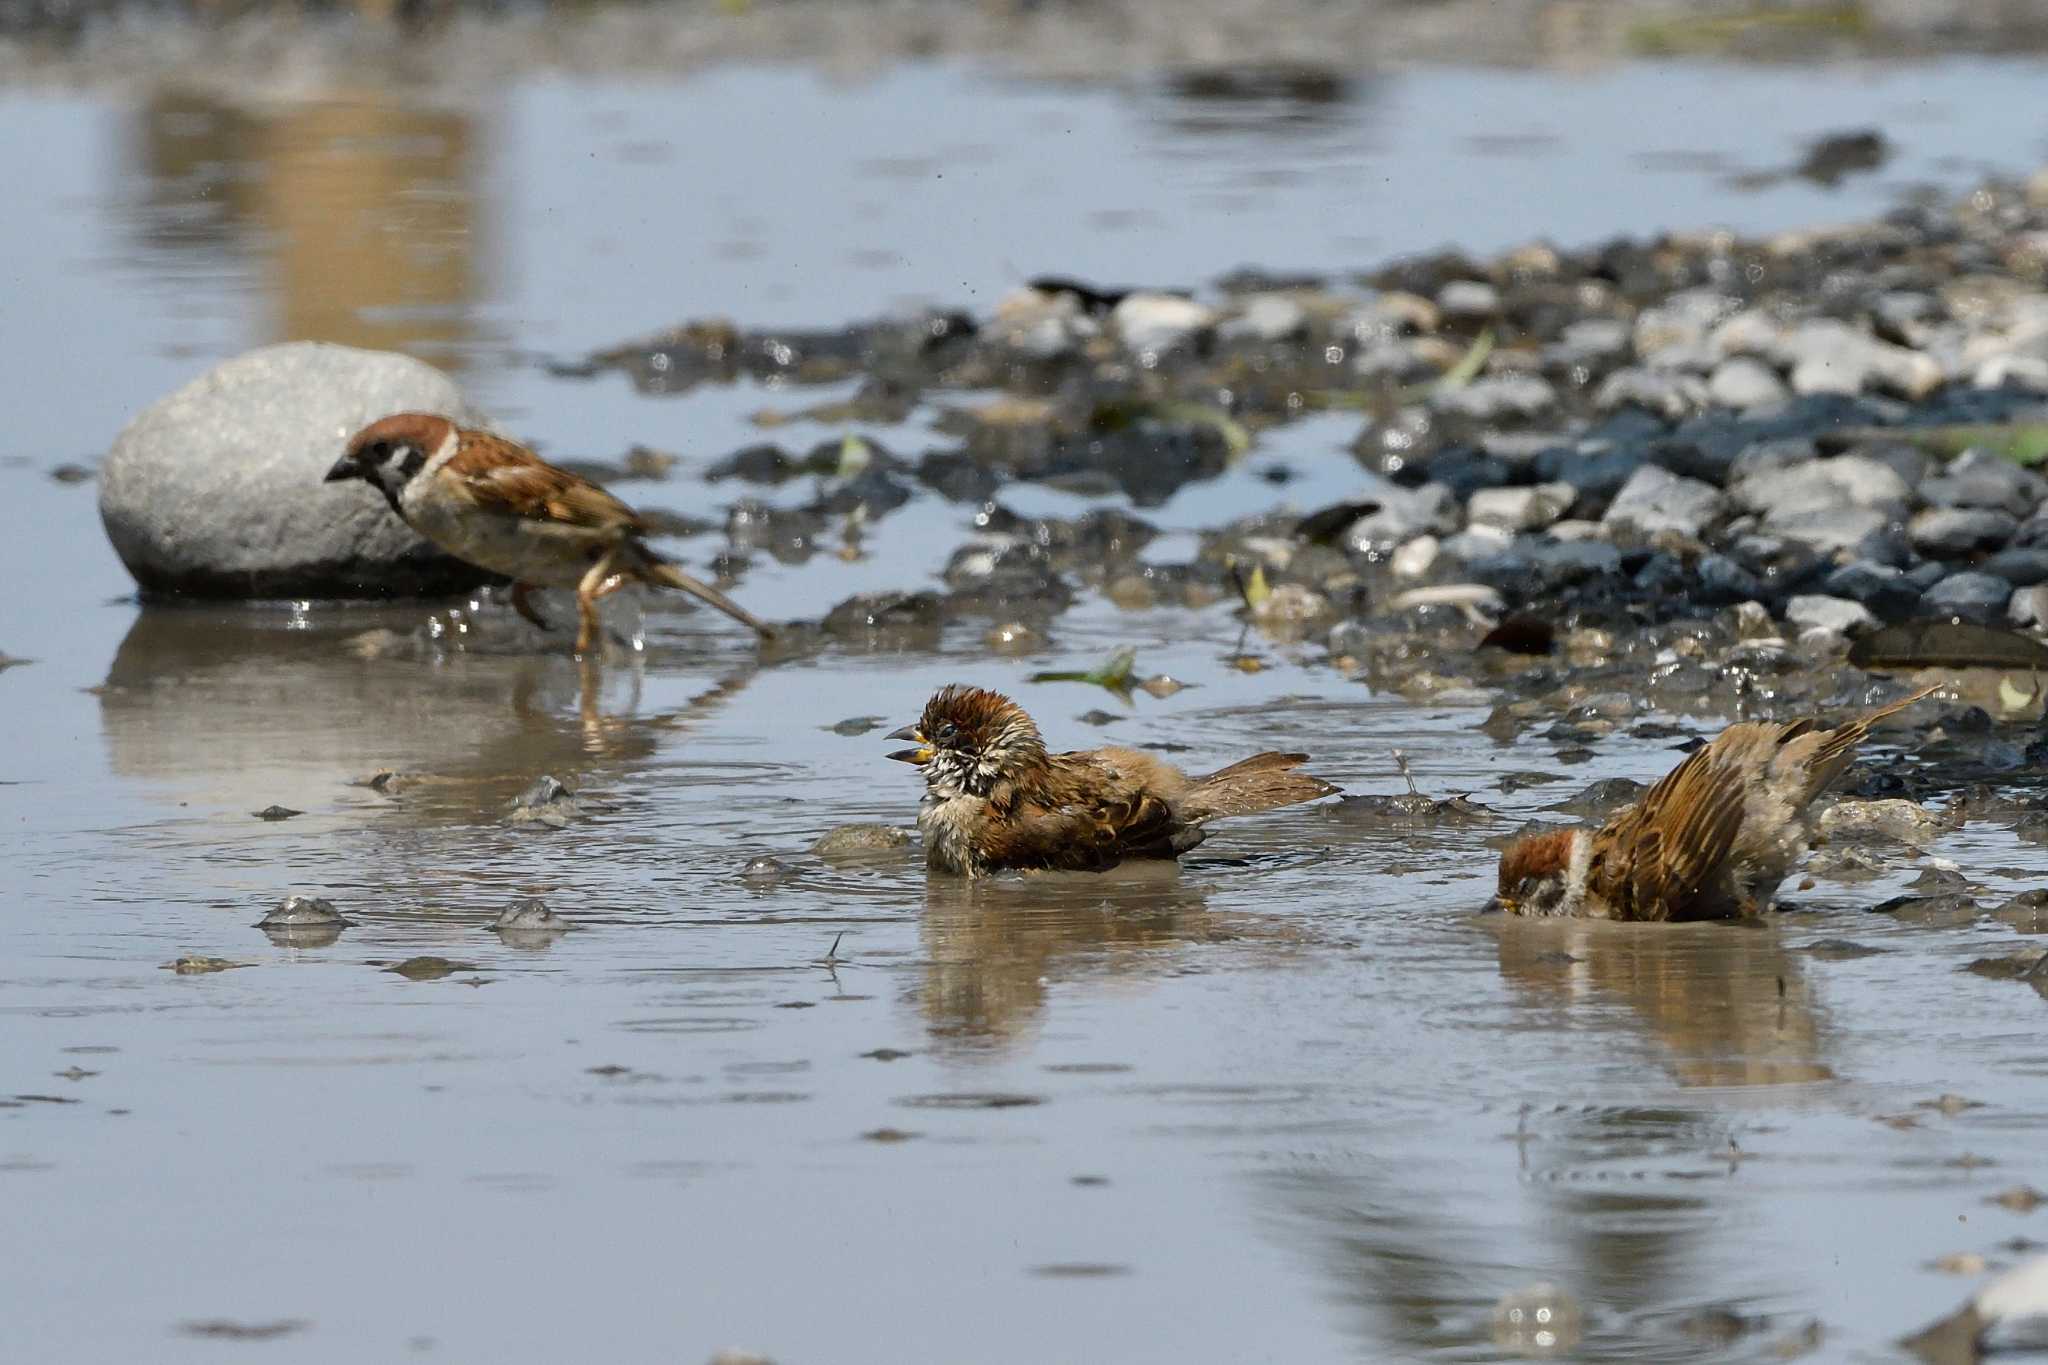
<point x="1947" y="911"/>
<point x="1403" y="514"/>
<point x="1838" y="614"/>
<point x="884" y="611"/>
<point x="1608" y="794"/>
<point x="529" y="915"/>
<point x="196" y="965"/>
<point x="765" y="871"/>
<point x="1979" y="598"/>
<point x="546" y="802"/>
<point x="2026" y="913"/>
<point x="1841" y="949"/>
<point x="860" y="840"/>
<point x="429" y="968"/>
<point x="303" y="912"/>
<point x="2023" y="568"/>
<point x="276" y="812"/>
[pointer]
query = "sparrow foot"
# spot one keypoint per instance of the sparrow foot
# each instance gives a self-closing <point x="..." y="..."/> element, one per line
<point x="522" y="602"/>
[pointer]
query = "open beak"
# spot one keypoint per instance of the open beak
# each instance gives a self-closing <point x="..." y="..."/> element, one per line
<point x="920" y="755"/>
<point x="1498" y="905"/>
<point x="344" y="469"/>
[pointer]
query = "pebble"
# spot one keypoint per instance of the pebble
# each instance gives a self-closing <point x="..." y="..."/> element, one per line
<point x="1827" y="355"/>
<point x="1416" y="557"/>
<point x="1821" y="486"/>
<point x="1671" y="396"/>
<point x="1151" y="325"/>
<point x="1743" y="382"/>
<point x="1498" y="396"/>
<point x="1979" y="598"/>
<point x="1950" y="532"/>
<point x="1403" y="514"/>
<point x="2028" y="608"/>
<point x="1468" y="299"/>
<point x="1838" y="614"/>
<point x="1266" y="318"/>
<point x="1654" y="499"/>
<point x="529" y="915"/>
<point x="1520" y="509"/>
<point x="1890" y="819"/>
<point x="2022" y="568"/>
<point x="765" y="871"/>
<point x="302" y="912"/>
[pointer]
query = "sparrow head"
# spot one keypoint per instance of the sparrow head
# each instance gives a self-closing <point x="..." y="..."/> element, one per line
<point x="387" y="453"/>
<point x="1536" y="873"/>
<point x="968" y="738"/>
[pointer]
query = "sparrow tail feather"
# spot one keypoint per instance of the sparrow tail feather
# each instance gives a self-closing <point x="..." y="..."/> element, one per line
<point x="1261" y="782"/>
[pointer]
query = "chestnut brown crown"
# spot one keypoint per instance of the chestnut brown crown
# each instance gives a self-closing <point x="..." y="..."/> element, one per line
<point x="968" y="737"/>
<point x="389" y="451"/>
<point x="1531" y="861"/>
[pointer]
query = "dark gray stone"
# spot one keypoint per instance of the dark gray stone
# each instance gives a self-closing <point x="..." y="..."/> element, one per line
<point x="1533" y="565"/>
<point x="1723" y="582"/>
<point x="1882" y="588"/>
<point x="1979" y="598"/>
<point x="2021" y="568"/>
<point x="1979" y="479"/>
<point x="215" y="491"/>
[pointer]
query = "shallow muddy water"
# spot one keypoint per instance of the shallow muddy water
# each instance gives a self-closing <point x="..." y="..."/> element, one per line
<point x="1295" y="1100"/>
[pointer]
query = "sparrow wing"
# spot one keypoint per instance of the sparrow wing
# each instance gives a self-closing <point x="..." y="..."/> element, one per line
<point x="1824" y="757"/>
<point x="502" y="476"/>
<point x="1652" y="861"/>
<point x="1088" y="816"/>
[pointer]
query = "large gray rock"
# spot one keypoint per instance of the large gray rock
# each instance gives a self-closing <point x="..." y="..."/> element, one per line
<point x="216" y="490"/>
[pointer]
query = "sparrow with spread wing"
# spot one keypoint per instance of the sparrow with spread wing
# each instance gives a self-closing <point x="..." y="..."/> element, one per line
<point x="1712" y="840"/>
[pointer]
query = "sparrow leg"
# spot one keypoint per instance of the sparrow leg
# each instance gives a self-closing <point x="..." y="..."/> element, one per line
<point x="522" y="602"/>
<point x="587" y="593"/>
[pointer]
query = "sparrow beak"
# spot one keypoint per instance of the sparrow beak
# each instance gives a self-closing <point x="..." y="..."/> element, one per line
<point x="920" y="755"/>
<point x="1497" y="905"/>
<point x="344" y="469"/>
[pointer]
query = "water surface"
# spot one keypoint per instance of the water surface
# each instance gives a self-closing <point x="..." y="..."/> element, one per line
<point x="1294" y="1100"/>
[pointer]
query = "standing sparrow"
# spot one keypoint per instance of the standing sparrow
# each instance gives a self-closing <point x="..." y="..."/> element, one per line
<point x="995" y="799"/>
<point x="1711" y="840"/>
<point x="498" y="505"/>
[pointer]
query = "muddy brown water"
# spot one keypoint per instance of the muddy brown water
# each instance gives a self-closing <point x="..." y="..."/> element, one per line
<point x="1292" y="1100"/>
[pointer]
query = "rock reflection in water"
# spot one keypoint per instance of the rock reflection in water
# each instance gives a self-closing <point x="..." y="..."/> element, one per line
<point x="1727" y="1003"/>
<point x="246" y="707"/>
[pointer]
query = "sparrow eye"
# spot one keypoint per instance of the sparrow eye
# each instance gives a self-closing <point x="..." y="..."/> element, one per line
<point x="946" y="732"/>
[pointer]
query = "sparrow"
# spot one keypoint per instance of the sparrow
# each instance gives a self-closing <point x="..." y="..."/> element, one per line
<point x="995" y="799"/>
<point x="1712" y="840"/>
<point x="496" y="504"/>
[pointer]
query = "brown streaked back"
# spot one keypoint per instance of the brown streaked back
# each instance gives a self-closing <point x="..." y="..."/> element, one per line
<point x="505" y="477"/>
